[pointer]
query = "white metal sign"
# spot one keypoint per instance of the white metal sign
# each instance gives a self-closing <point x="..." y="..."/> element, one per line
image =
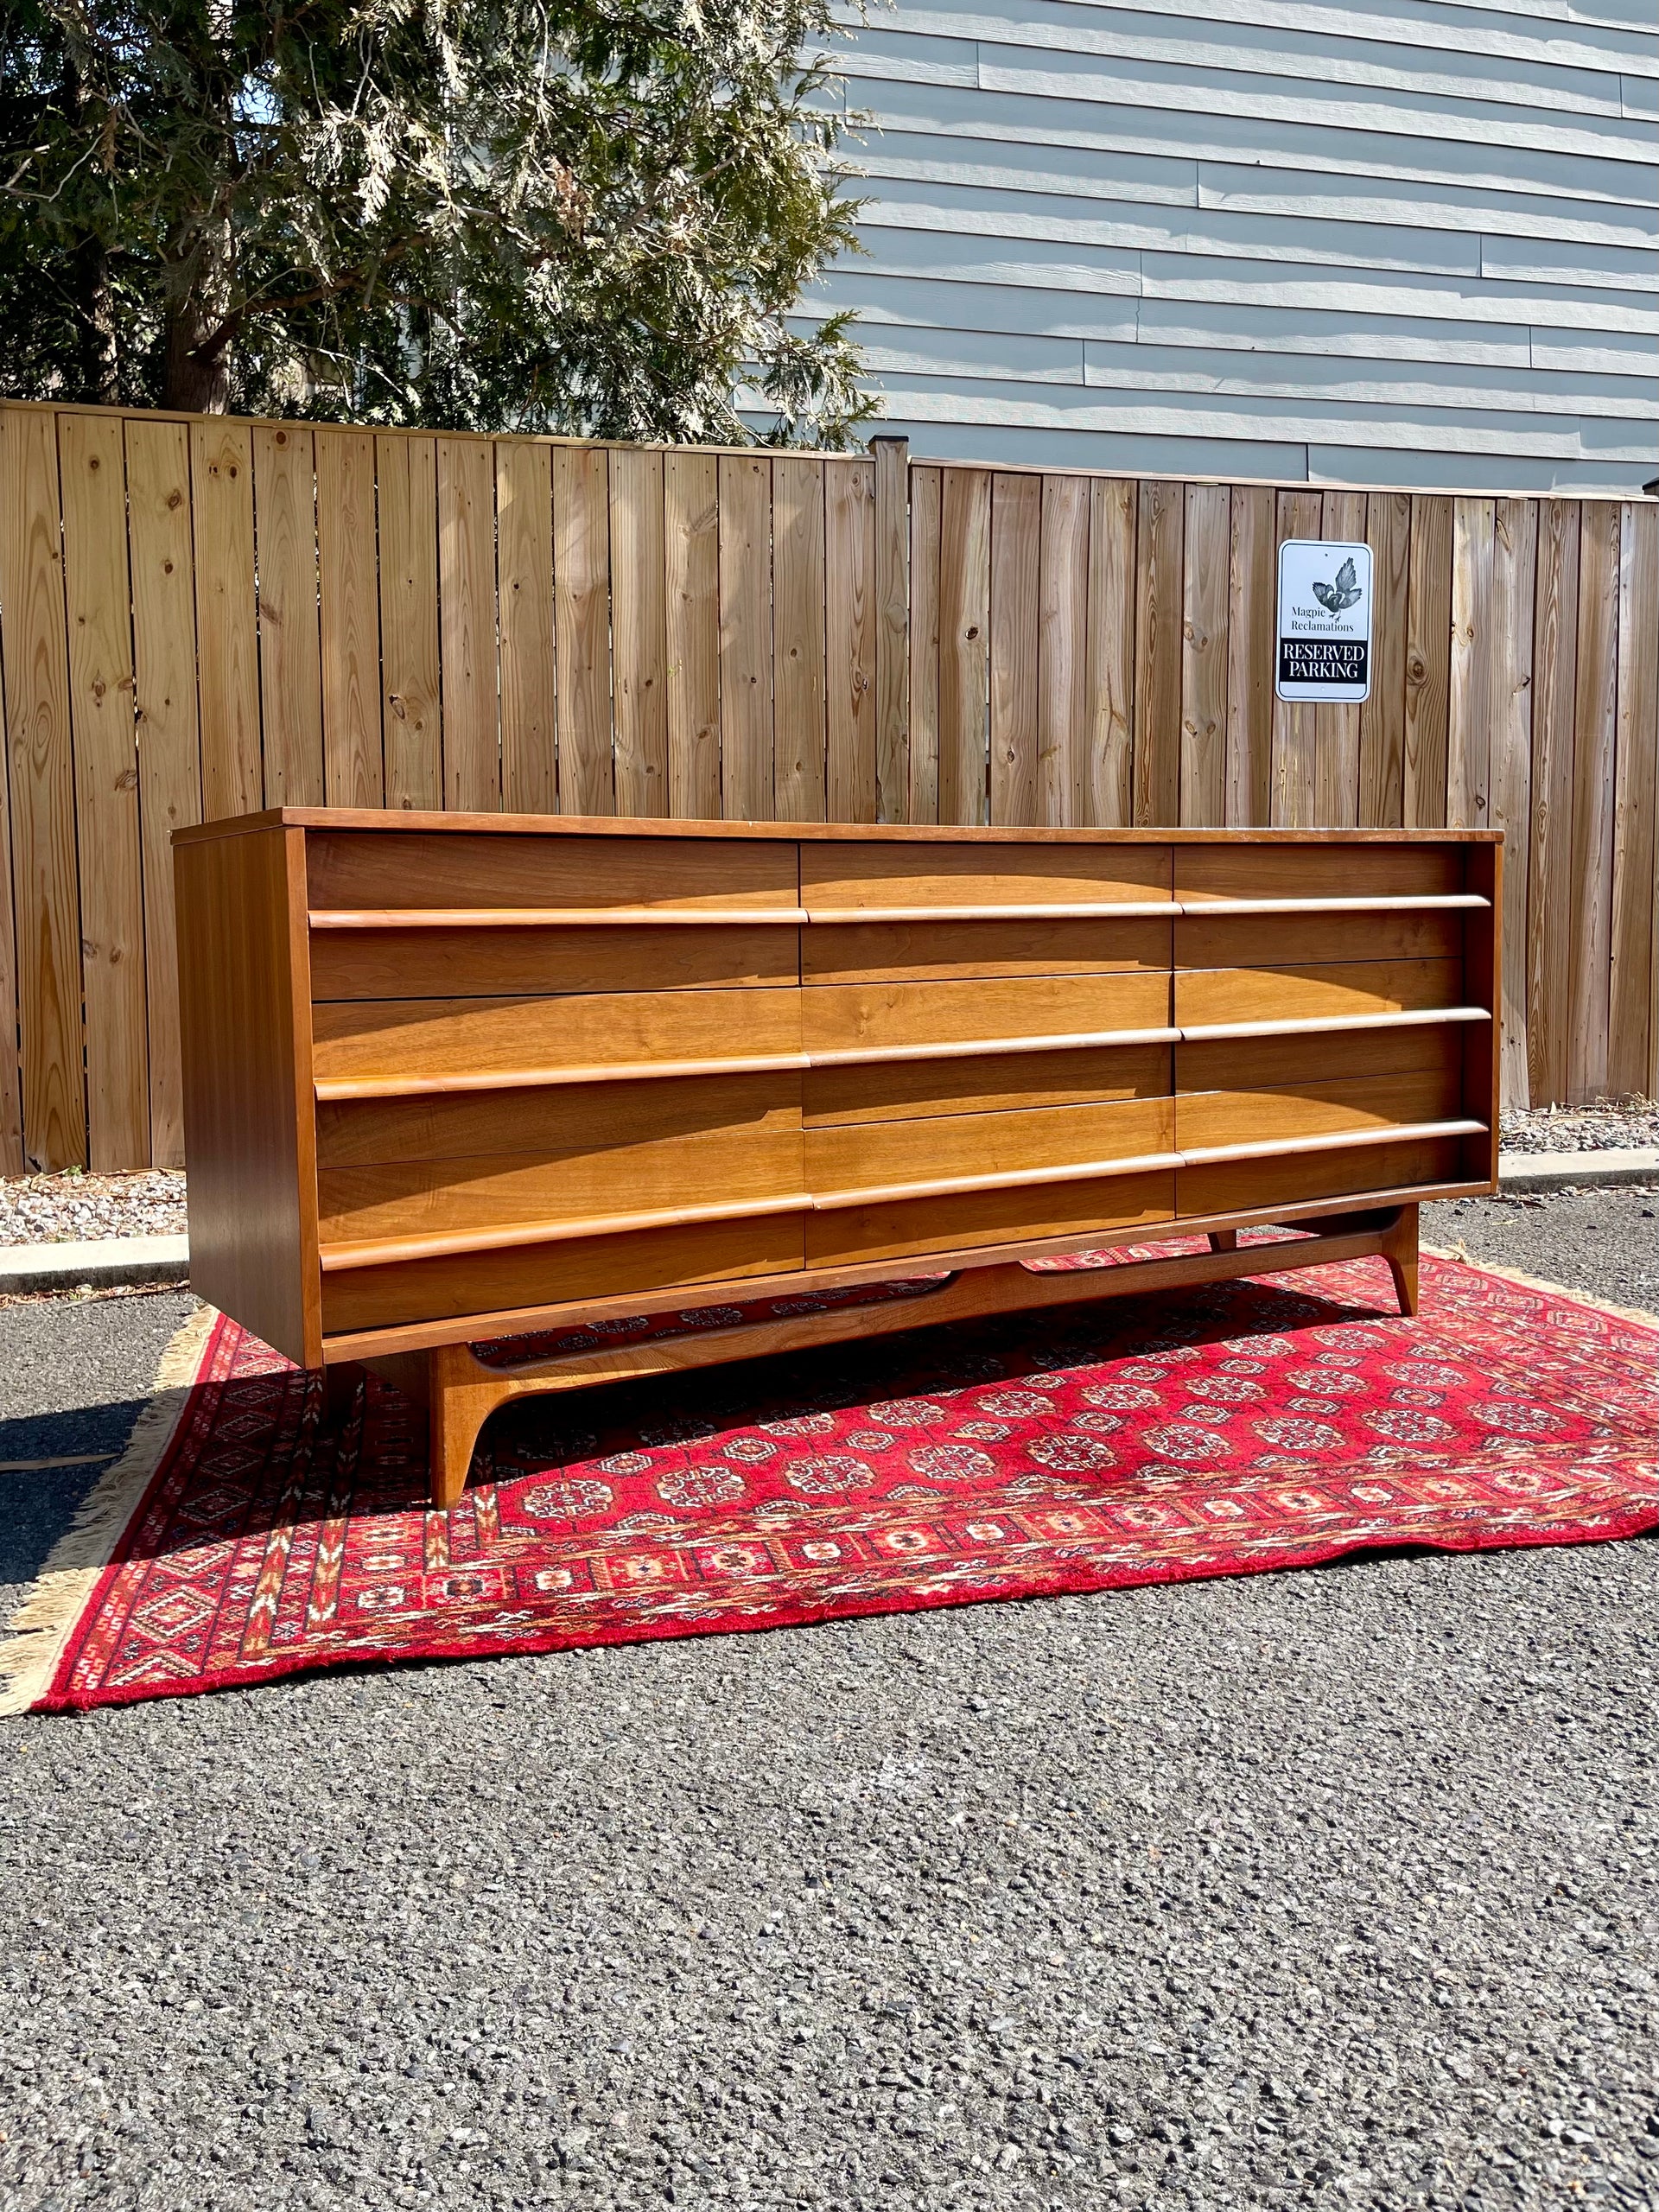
<point x="1325" y="621"/>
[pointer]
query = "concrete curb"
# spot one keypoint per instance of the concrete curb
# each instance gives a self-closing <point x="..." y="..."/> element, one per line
<point x="108" y="1263"/>
<point x="1521" y="1171"/>
<point x="121" y="1262"/>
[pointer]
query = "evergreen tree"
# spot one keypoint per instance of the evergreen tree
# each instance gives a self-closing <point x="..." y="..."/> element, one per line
<point x="586" y="215"/>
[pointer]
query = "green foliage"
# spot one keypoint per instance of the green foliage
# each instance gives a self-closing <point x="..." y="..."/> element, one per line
<point x="587" y="215"/>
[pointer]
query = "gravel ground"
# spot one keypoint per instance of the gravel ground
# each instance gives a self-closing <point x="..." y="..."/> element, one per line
<point x="1331" y="1889"/>
<point x="51" y="1208"/>
<point x="1603" y="1242"/>
<point x="1581" y="1129"/>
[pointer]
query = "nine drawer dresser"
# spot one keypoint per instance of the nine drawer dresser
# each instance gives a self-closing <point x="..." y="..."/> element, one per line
<point x="450" y="1077"/>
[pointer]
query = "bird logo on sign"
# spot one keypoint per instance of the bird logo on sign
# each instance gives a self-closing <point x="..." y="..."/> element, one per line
<point x="1342" y="593"/>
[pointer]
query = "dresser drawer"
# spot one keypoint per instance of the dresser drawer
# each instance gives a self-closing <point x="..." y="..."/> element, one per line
<point x="1340" y="991"/>
<point x="432" y="1040"/>
<point x="486" y="1285"/>
<point x="473" y="962"/>
<point x="1313" y="870"/>
<point x="586" y="1179"/>
<point x="917" y="1228"/>
<point x="553" y="1119"/>
<point x="837" y="876"/>
<point x="1296" y="940"/>
<point x="1269" y="1062"/>
<point x="873" y="952"/>
<point x="904" y="1091"/>
<point x="870" y="1016"/>
<point x="1254" y="1185"/>
<point x="1264" y="1115"/>
<point x="1028" y="1155"/>
<point x="391" y="869"/>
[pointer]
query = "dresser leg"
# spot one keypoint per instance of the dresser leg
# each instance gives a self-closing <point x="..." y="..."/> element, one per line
<point x="340" y="1384"/>
<point x="1223" y="1240"/>
<point x="1400" y="1251"/>
<point x="458" y="1403"/>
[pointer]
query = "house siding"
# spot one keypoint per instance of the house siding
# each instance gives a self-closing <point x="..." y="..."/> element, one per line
<point x="1413" y="245"/>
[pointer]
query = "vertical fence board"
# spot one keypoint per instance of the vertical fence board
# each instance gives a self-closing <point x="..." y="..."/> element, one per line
<point x="964" y="646"/>
<point x="1336" y="728"/>
<point x="1469" y="712"/>
<point x="797" y="638"/>
<point x="638" y="634"/>
<point x="1016" y="540"/>
<point x="472" y="742"/>
<point x="890" y="456"/>
<point x="411" y="717"/>
<point x="13" y="428"/>
<point x="745" y="709"/>
<point x="1203" y="795"/>
<point x="1105" y="797"/>
<point x="349" y="567"/>
<point x="1429" y="656"/>
<point x="1549" y="863"/>
<point x="169" y="755"/>
<point x="221" y="471"/>
<point x="290" y="638"/>
<point x="1631" y="985"/>
<point x="850" y="637"/>
<point x="691" y="536"/>
<point x="582" y="565"/>
<point x="1515" y="556"/>
<point x="1595" y="720"/>
<point x="1382" y="717"/>
<point x="1251" y="589"/>
<point x="98" y="592"/>
<point x="45" y="876"/>
<point x="1063" y="651"/>
<point x="524" y="521"/>
<point x="926" y="490"/>
<point x="1158" y="647"/>
<point x="1295" y="728"/>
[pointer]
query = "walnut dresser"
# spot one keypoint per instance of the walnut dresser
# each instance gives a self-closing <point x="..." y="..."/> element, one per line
<point x="457" y="1076"/>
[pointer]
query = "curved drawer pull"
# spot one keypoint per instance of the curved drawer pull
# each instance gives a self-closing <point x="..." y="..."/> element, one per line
<point x="541" y="918"/>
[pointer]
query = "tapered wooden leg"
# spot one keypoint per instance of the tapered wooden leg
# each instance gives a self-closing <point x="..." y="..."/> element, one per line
<point x="340" y="1384"/>
<point x="1400" y="1251"/>
<point x="460" y="1394"/>
<point x="1223" y="1240"/>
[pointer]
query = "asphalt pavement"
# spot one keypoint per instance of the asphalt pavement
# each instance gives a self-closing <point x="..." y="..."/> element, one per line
<point x="1335" y="1888"/>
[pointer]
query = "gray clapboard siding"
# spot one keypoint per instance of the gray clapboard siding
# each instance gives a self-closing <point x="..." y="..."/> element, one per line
<point x="1440" y="307"/>
<point x="946" y="330"/>
<point x="951" y="109"/>
<point x="1336" y="57"/>
<point x="1409" y="242"/>
<point x="897" y="350"/>
<point x="983" y="164"/>
<point x="1591" y="43"/>
<point x="921" y="204"/>
<point x="1152" y="412"/>
<point x="1036" y="72"/>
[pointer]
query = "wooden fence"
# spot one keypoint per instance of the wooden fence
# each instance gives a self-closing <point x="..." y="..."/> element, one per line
<point x="202" y="616"/>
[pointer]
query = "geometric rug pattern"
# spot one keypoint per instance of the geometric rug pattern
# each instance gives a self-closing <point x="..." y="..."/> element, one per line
<point x="1247" y="1426"/>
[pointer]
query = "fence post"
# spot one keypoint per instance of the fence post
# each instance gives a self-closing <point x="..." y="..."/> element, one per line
<point x="891" y="457"/>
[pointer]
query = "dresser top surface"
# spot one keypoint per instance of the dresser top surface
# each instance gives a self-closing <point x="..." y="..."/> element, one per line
<point x="575" y="825"/>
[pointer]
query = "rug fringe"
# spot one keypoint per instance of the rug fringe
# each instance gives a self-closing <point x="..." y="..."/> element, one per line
<point x="38" y="1631"/>
<point x="1460" y="1252"/>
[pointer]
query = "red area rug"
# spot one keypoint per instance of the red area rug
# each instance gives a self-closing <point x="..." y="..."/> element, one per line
<point x="1248" y="1426"/>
